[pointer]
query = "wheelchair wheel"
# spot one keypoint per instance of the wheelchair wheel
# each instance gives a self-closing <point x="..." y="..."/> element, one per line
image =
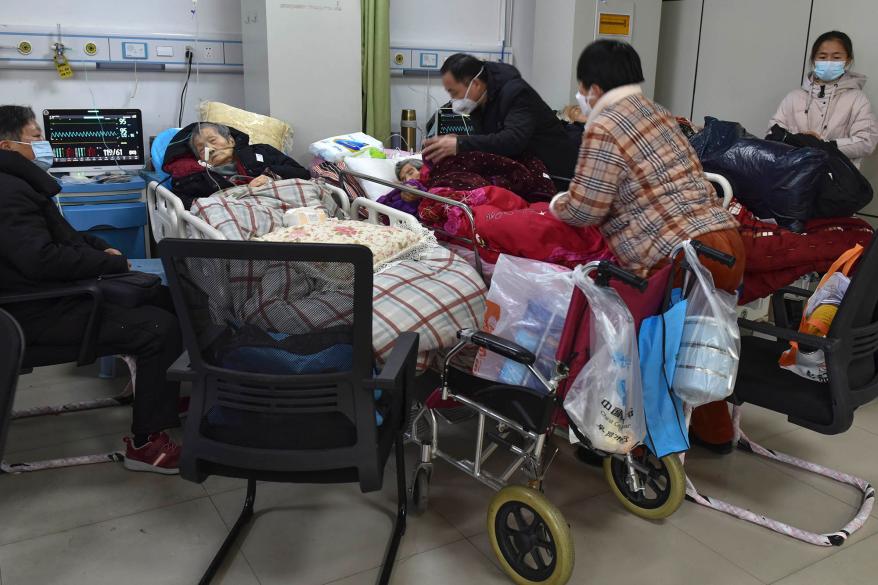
<point x="530" y="537"/>
<point x="664" y="485"/>
<point x="420" y="491"/>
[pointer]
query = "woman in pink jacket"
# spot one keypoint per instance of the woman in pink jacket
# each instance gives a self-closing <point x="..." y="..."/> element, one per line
<point x="831" y="104"/>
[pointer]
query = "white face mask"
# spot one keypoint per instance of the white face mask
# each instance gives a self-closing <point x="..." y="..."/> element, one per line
<point x="466" y="106"/>
<point x="584" y="104"/>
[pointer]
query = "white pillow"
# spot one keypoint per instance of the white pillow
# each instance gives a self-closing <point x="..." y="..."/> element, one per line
<point x="381" y="168"/>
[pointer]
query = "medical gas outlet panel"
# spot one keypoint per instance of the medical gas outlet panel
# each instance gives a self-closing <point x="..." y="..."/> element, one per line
<point x="425" y="60"/>
<point x="24" y="47"/>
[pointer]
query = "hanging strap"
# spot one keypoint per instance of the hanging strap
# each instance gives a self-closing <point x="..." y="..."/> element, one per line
<point x="844" y="263"/>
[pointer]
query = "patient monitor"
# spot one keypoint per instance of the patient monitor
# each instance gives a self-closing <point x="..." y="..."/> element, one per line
<point x="95" y="141"/>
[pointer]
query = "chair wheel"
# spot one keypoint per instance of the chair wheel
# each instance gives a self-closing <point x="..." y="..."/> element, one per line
<point x="665" y="485"/>
<point x="420" y="494"/>
<point x="530" y="537"/>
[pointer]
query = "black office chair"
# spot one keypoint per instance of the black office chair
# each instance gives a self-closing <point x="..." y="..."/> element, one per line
<point x="12" y="341"/>
<point x="279" y="342"/>
<point x="85" y="353"/>
<point x="851" y="350"/>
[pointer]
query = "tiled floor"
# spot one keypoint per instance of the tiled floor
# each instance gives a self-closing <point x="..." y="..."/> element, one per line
<point x="102" y="525"/>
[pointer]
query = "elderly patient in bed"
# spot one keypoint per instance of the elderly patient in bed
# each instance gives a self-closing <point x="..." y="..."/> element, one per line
<point x="204" y="158"/>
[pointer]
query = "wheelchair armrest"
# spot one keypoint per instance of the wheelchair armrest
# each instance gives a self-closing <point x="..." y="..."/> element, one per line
<point x="498" y="345"/>
<point x="402" y="360"/>
<point x="181" y="371"/>
<point x="815" y="341"/>
<point x="795" y="291"/>
<point x="778" y="306"/>
<point x="89" y="345"/>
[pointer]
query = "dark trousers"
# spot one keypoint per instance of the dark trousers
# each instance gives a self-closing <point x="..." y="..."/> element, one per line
<point x="150" y="333"/>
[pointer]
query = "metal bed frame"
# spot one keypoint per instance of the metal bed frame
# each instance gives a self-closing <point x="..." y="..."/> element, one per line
<point x="716" y="179"/>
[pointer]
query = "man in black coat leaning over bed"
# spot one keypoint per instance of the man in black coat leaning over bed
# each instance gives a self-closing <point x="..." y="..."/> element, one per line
<point x="204" y="158"/>
<point x="508" y="115"/>
<point x="40" y="250"/>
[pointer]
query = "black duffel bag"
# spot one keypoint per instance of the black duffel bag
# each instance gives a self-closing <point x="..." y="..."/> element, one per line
<point x="771" y="179"/>
<point x="842" y="190"/>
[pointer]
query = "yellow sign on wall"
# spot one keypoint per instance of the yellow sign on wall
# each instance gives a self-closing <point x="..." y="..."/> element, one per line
<point x="614" y="24"/>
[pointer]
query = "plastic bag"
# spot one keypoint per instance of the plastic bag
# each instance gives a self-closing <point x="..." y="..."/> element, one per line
<point x="605" y="401"/>
<point x="829" y="293"/>
<point x="771" y="179"/>
<point x="818" y="316"/>
<point x="336" y="148"/>
<point x="527" y="303"/>
<point x="710" y="350"/>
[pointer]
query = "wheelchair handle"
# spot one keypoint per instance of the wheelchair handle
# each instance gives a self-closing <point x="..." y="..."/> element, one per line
<point x="714" y="254"/>
<point x="608" y="271"/>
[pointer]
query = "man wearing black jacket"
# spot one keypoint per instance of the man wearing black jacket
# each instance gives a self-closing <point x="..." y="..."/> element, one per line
<point x="204" y="158"/>
<point x="509" y="117"/>
<point x="40" y="250"/>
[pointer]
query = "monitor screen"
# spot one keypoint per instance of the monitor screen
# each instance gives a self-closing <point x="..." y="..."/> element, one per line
<point x="95" y="140"/>
<point x="451" y="123"/>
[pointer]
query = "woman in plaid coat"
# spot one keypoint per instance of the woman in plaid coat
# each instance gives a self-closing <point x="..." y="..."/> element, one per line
<point x="639" y="180"/>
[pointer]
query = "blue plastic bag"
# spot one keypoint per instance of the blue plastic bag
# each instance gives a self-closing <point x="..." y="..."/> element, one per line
<point x="666" y="430"/>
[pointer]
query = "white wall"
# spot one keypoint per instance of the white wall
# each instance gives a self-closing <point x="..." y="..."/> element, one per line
<point x="647" y="27"/>
<point x="678" y="55"/>
<point x="554" y="26"/>
<point x="428" y="23"/>
<point x="158" y="94"/>
<point x="523" y="14"/>
<point x="750" y="58"/>
<point x="157" y="16"/>
<point x="314" y="72"/>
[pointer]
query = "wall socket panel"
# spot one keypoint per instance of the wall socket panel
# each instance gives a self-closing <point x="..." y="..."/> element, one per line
<point x="407" y="59"/>
<point x="206" y="52"/>
<point x="219" y="52"/>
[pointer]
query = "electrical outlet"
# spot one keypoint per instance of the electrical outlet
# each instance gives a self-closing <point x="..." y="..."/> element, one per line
<point x="210" y="53"/>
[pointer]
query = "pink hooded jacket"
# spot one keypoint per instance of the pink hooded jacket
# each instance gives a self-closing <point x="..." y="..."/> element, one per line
<point x="838" y="111"/>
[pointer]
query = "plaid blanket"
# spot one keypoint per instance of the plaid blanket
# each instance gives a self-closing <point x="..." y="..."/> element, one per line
<point x="330" y="173"/>
<point x="245" y="212"/>
<point x="435" y="296"/>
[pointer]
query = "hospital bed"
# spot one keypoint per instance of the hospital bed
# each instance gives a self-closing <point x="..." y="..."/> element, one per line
<point x="471" y="244"/>
<point x="433" y="295"/>
<point x="169" y="219"/>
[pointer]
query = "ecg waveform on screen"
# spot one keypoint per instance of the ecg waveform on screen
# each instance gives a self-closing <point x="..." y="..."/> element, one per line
<point x="79" y="134"/>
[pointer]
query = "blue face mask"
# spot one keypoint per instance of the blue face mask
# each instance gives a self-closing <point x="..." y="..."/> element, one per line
<point x="829" y="70"/>
<point x="44" y="157"/>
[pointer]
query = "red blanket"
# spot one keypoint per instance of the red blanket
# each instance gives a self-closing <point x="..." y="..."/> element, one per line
<point x="526" y="177"/>
<point x="776" y="256"/>
<point x="506" y="223"/>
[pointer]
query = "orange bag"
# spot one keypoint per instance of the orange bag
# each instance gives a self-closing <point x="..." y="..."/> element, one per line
<point x="818" y="315"/>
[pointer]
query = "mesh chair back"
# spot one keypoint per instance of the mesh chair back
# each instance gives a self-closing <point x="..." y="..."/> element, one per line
<point x="856" y="326"/>
<point x="12" y="340"/>
<point x="281" y="337"/>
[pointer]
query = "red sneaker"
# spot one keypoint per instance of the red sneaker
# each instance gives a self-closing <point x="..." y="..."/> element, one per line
<point x="159" y="455"/>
